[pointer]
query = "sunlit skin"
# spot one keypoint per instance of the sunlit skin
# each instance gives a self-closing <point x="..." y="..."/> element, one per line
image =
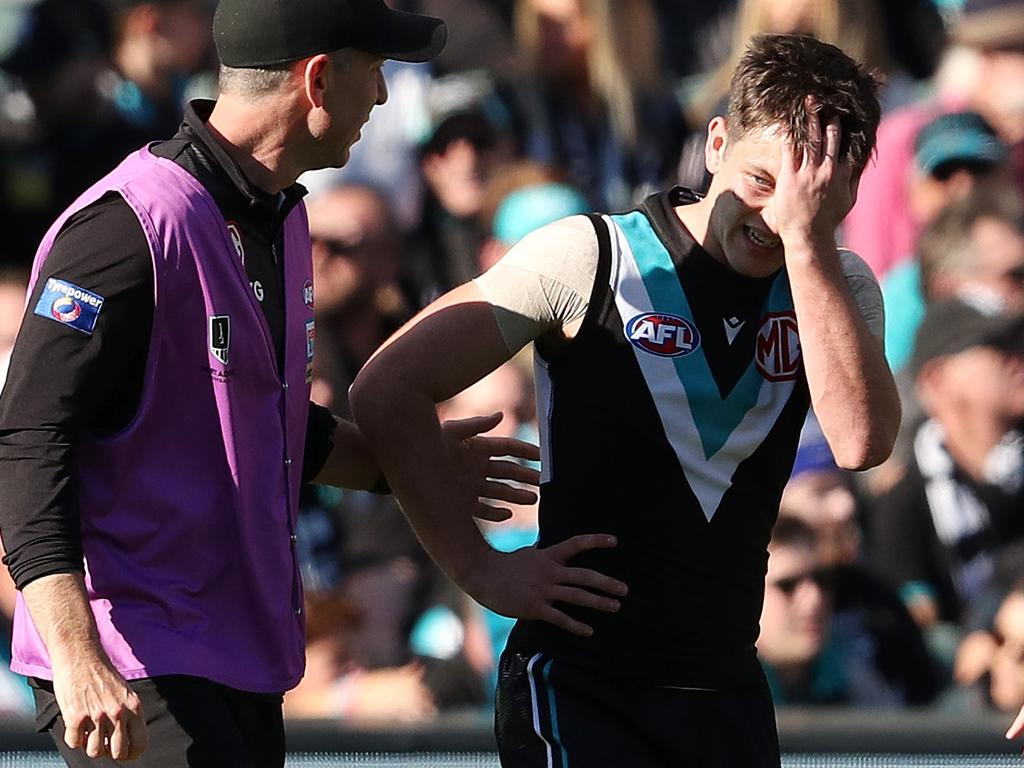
<point x="355" y="86"/>
<point x="765" y="190"/>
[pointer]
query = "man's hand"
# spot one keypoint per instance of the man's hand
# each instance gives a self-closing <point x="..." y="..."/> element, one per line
<point x="527" y="583"/>
<point x="101" y="714"/>
<point x="814" y="190"/>
<point x="479" y="468"/>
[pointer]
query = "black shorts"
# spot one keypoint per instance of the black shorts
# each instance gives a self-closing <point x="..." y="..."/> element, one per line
<point x="551" y="714"/>
<point x="191" y="722"/>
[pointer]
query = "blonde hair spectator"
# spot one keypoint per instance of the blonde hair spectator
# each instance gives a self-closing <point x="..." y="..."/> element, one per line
<point x="620" y="38"/>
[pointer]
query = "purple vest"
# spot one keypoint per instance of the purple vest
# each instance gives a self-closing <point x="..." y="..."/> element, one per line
<point x="188" y="514"/>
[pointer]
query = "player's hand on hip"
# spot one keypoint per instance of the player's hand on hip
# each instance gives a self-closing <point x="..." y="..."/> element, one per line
<point x="815" y="187"/>
<point x="528" y="583"/>
<point x="482" y="469"/>
<point x="102" y="715"/>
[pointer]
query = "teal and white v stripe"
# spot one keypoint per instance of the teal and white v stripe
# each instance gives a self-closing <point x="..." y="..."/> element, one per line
<point x="710" y="435"/>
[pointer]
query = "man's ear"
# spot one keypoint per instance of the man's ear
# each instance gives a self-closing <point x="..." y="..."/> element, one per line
<point x="715" y="146"/>
<point x="316" y="75"/>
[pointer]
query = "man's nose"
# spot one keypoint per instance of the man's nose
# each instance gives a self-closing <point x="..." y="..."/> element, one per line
<point x="382" y="88"/>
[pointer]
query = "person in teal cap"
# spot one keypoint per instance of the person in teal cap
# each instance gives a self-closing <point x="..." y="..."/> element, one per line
<point x="953" y="154"/>
<point x="527" y="209"/>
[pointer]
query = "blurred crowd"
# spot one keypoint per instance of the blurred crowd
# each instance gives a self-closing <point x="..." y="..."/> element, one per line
<point x="900" y="587"/>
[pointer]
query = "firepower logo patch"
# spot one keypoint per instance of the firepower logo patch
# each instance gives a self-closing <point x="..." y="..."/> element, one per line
<point x="663" y="335"/>
<point x="70" y="305"/>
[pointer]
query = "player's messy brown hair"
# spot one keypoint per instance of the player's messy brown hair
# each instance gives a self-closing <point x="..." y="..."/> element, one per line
<point x="777" y="73"/>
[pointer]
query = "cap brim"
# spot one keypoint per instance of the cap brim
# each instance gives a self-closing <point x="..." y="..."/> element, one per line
<point x="407" y="37"/>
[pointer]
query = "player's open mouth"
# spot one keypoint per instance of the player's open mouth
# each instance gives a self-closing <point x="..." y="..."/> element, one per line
<point x="761" y="240"/>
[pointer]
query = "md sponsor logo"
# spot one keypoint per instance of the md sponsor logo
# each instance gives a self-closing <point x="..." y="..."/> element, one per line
<point x="663" y="335"/>
<point x="777" y="354"/>
<point x="307" y="294"/>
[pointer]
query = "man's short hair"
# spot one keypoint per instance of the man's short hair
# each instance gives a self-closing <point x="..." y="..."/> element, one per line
<point x="947" y="243"/>
<point x="253" y="82"/>
<point x="776" y="75"/>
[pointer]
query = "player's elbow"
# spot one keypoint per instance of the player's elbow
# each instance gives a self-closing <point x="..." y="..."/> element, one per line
<point x="863" y="449"/>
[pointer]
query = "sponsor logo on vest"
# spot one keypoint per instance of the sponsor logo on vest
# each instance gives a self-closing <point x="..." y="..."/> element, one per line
<point x="220" y="337"/>
<point x="307" y="294"/>
<point x="68" y="304"/>
<point x="310" y="343"/>
<point x="66" y="309"/>
<point x="74" y="292"/>
<point x="663" y="335"/>
<point x="236" y="238"/>
<point x="778" y="347"/>
<point x="257" y="289"/>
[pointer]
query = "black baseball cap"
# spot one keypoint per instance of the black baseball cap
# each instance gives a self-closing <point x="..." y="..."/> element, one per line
<point x="264" y="33"/>
<point x="952" y="326"/>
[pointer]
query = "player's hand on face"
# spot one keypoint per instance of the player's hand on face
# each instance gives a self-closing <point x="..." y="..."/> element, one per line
<point x="102" y="715"/>
<point x="481" y="469"/>
<point x="814" y="190"/>
<point x="527" y="583"/>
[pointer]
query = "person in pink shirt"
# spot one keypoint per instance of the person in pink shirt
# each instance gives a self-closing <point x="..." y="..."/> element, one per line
<point x="881" y="227"/>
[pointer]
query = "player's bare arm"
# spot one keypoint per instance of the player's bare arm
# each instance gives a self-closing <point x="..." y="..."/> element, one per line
<point x="478" y="462"/>
<point x="453" y="343"/>
<point x="851" y="387"/>
<point x="102" y="715"/>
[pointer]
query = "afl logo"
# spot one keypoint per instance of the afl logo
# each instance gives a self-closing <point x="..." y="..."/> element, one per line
<point x="663" y="335"/>
<point x="66" y="309"/>
<point x="307" y="294"/>
<point x="778" y="347"/>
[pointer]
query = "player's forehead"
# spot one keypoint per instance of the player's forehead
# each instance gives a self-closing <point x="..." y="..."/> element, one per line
<point x="763" y="143"/>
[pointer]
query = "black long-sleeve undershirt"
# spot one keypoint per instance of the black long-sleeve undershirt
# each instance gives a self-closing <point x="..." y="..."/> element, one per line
<point x="64" y="384"/>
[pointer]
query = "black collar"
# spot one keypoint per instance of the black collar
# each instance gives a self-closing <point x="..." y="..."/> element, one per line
<point x="683" y="247"/>
<point x="195" y="130"/>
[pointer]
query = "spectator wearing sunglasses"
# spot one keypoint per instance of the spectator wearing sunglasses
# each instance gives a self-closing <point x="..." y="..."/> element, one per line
<point x="884" y="652"/>
<point x="793" y="645"/>
<point x="816" y="652"/>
